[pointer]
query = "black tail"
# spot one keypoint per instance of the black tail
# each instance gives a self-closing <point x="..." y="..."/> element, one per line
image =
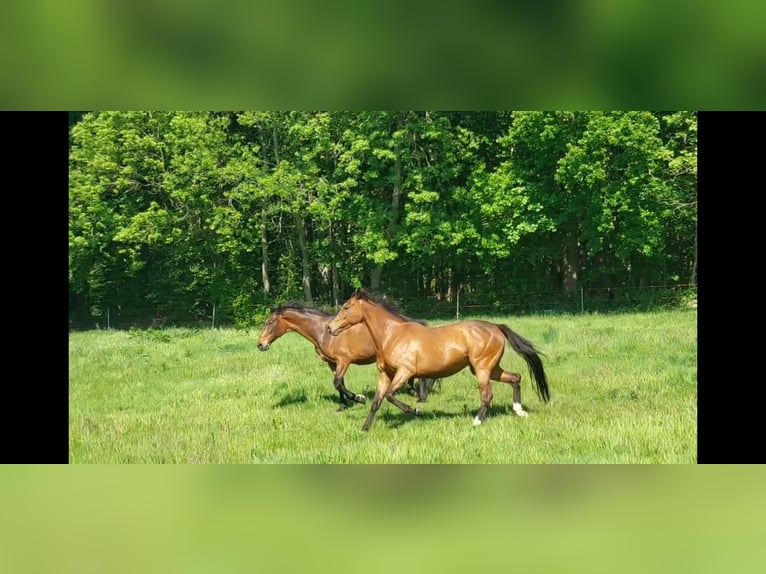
<point x="532" y="356"/>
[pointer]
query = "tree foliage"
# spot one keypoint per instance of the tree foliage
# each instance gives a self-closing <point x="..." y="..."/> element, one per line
<point x="174" y="212"/>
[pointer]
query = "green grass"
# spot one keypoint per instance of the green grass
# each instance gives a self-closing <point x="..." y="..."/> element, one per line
<point x="623" y="390"/>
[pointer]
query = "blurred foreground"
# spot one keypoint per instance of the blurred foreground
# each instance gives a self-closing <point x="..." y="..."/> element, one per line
<point x="67" y="519"/>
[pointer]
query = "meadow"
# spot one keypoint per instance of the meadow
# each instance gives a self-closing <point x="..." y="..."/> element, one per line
<point x="623" y="390"/>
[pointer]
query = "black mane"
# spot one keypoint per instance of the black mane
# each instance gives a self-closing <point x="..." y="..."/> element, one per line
<point x="387" y="304"/>
<point x="380" y="300"/>
<point x="301" y="308"/>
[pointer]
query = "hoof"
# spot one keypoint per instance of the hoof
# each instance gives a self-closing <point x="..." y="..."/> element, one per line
<point x="360" y="399"/>
<point x="417" y="411"/>
<point x="476" y="421"/>
<point x="519" y="410"/>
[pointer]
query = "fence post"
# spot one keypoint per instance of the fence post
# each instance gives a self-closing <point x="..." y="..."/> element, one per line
<point x="107" y="319"/>
<point x="457" y="306"/>
<point x="213" y="316"/>
<point x="582" y="300"/>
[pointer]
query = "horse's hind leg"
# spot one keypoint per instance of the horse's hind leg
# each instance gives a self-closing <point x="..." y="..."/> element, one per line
<point x="513" y="379"/>
<point x="417" y="388"/>
<point x="424" y="385"/>
<point x="485" y="392"/>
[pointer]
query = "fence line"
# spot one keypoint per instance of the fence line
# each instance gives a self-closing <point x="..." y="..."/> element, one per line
<point x="463" y="304"/>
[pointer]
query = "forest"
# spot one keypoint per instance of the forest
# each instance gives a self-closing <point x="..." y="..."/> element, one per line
<point x="180" y="215"/>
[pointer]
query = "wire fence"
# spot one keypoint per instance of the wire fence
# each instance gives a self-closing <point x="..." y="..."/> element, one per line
<point x="461" y="306"/>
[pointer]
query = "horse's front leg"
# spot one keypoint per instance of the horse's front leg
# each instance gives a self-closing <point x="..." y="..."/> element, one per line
<point x="381" y="390"/>
<point x="344" y="395"/>
<point x="400" y="379"/>
<point x="337" y="382"/>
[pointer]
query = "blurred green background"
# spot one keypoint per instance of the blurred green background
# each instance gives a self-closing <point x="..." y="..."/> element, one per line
<point x="174" y="54"/>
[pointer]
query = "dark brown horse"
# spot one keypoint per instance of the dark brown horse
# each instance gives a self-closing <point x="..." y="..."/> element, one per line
<point x="354" y="346"/>
<point x="407" y="349"/>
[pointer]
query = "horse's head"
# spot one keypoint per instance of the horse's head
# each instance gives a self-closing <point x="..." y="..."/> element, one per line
<point x="350" y="314"/>
<point x="273" y="328"/>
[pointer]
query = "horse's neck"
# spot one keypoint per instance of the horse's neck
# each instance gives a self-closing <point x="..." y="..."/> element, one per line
<point x="379" y="324"/>
<point x="311" y="328"/>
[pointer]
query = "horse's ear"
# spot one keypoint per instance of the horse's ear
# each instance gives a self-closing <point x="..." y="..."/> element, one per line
<point x="357" y="293"/>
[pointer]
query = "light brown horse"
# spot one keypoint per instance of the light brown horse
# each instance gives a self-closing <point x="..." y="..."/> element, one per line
<point x="354" y="346"/>
<point x="406" y="349"/>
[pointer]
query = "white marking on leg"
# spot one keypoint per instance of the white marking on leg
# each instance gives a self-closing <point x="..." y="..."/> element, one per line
<point x="519" y="410"/>
<point x="476" y="421"/>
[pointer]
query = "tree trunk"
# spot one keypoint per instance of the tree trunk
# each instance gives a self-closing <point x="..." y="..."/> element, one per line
<point x="264" y="255"/>
<point x="377" y="272"/>
<point x="306" y="271"/>
<point x="264" y="238"/>
<point x="275" y="141"/>
<point x="375" y="276"/>
<point x="693" y="278"/>
<point x="334" y="271"/>
<point x="569" y="266"/>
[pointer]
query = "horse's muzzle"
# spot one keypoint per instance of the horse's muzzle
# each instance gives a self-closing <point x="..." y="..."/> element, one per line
<point x="262" y="347"/>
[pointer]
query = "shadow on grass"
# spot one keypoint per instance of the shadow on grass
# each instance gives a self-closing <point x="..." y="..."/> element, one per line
<point x="401" y="393"/>
<point x="299" y="397"/>
<point x="393" y="417"/>
<point x="292" y="398"/>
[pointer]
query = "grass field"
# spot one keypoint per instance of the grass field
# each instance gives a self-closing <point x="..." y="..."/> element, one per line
<point x="623" y="390"/>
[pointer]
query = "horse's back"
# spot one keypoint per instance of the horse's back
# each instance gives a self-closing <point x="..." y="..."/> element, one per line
<point x="469" y="330"/>
<point x="443" y="350"/>
<point x="452" y="333"/>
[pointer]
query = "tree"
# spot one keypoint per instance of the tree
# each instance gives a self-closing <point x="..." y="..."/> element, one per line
<point x="678" y="131"/>
<point x="614" y="170"/>
<point x="543" y="216"/>
<point x="174" y="212"/>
